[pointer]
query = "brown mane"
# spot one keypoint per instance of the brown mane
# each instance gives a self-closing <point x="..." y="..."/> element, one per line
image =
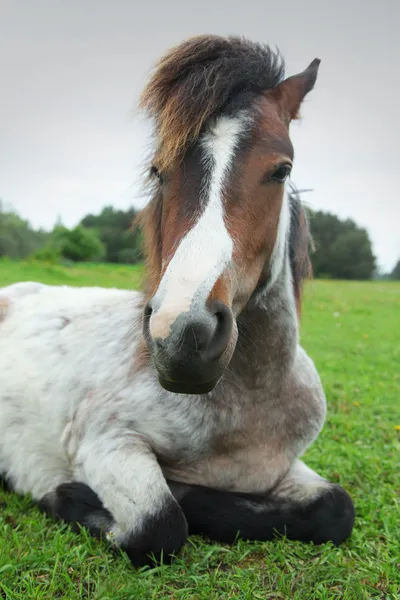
<point x="148" y="220"/>
<point x="197" y="79"/>
<point x="300" y="242"/>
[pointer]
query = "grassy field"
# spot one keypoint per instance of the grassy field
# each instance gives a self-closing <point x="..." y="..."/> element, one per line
<point x="352" y="331"/>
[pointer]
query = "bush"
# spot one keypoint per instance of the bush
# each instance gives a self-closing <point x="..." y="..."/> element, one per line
<point x="78" y="245"/>
<point x="48" y="254"/>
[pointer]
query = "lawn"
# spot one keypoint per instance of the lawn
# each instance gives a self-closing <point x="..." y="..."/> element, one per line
<point x="352" y="331"/>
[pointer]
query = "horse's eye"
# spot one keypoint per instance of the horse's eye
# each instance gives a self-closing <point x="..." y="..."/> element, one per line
<point x="281" y="174"/>
<point x="154" y="172"/>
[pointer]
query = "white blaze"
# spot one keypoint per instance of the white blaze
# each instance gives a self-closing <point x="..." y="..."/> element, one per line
<point x="206" y="250"/>
<point x="279" y="251"/>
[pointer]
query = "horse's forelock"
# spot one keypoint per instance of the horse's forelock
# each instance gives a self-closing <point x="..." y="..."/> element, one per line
<point x="199" y="79"/>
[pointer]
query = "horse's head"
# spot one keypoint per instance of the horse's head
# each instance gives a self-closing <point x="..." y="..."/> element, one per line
<point x="217" y="226"/>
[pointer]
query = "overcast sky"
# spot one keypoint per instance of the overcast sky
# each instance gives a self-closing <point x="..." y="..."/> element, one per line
<point x="71" y="72"/>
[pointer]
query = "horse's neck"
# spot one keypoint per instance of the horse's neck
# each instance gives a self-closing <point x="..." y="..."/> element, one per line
<point x="268" y="336"/>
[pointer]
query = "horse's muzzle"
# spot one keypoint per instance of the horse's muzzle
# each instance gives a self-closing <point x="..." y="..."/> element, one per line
<point x="190" y="359"/>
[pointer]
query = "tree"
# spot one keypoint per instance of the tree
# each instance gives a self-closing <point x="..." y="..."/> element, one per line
<point x="109" y="236"/>
<point x="78" y="244"/>
<point x="114" y="228"/>
<point x="342" y="249"/>
<point x="395" y="274"/>
<point x="17" y="238"/>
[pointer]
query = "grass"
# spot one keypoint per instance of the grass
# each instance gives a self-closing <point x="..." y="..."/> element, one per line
<point x="78" y="274"/>
<point x="352" y="332"/>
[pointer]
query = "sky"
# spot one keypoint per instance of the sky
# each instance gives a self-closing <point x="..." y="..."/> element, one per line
<point x="71" y="72"/>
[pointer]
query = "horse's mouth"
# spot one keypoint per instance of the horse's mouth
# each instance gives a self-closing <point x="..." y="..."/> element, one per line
<point x="188" y="387"/>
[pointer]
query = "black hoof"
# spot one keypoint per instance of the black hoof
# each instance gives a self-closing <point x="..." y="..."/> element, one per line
<point x="161" y="536"/>
<point x="333" y="516"/>
<point x="77" y="504"/>
<point x="5" y="483"/>
<point x="224" y="516"/>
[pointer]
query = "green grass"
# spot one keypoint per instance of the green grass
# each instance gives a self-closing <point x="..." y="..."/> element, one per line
<point x="352" y="331"/>
<point x="79" y="274"/>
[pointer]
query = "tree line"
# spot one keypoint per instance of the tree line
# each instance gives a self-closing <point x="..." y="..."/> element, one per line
<point x="341" y="249"/>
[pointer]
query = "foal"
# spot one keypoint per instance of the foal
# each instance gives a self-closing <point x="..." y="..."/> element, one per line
<point x="183" y="409"/>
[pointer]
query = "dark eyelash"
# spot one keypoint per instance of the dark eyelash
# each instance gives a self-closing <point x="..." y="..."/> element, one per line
<point x="154" y="172"/>
<point x="281" y="174"/>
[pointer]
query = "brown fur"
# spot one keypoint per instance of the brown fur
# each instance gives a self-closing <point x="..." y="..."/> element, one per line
<point x="149" y="221"/>
<point x="4" y="305"/>
<point x="197" y="79"/>
<point x="222" y="290"/>
<point x="254" y="208"/>
<point x="142" y="357"/>
<point x="290" y="93"/>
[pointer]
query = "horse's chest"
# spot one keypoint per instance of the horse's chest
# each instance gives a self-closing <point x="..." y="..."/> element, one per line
<point x="255" y="468"/>
<point x="243" y="456"/>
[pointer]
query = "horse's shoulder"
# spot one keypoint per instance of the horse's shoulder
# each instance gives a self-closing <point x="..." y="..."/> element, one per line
<point x="305" y="382"/>
<point x="304" y="368"/>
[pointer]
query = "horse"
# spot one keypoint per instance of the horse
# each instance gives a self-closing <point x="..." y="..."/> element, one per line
<point x="184" y="408"/>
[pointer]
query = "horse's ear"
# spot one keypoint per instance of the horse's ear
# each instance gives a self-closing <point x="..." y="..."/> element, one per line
<point x="291" y="92"/>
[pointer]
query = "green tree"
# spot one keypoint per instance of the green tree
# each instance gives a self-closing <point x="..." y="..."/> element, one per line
<point x="17" y="238"/>
<point x="395" y="274"/>
<point x="343" y="250"/>
<point x="114" y="227"/>
<point x="78" y="244"/>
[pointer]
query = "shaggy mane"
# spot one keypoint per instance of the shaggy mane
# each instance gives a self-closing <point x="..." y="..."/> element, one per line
<point x="300" y="242"/>
<point x="197" y="80"/>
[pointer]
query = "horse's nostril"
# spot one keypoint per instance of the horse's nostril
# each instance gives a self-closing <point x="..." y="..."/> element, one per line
<point x="148" y="309"/>
<point x="160" y="344"/>
<point x="147" y="312"/>
<point x="193" y="344"/>
<point x="223" y="331"/>
<point x="188" y="353"/>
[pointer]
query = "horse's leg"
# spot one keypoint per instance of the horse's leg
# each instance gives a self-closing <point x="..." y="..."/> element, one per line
<point x="76" y="503"/>
<point x="120" y="491"/>
<point x="4" y="483"/>
<point x="303" y="506"/>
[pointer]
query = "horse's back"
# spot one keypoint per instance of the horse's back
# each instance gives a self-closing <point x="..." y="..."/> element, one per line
<point x="32" y="302"/>
<point x="49" y="333"/>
